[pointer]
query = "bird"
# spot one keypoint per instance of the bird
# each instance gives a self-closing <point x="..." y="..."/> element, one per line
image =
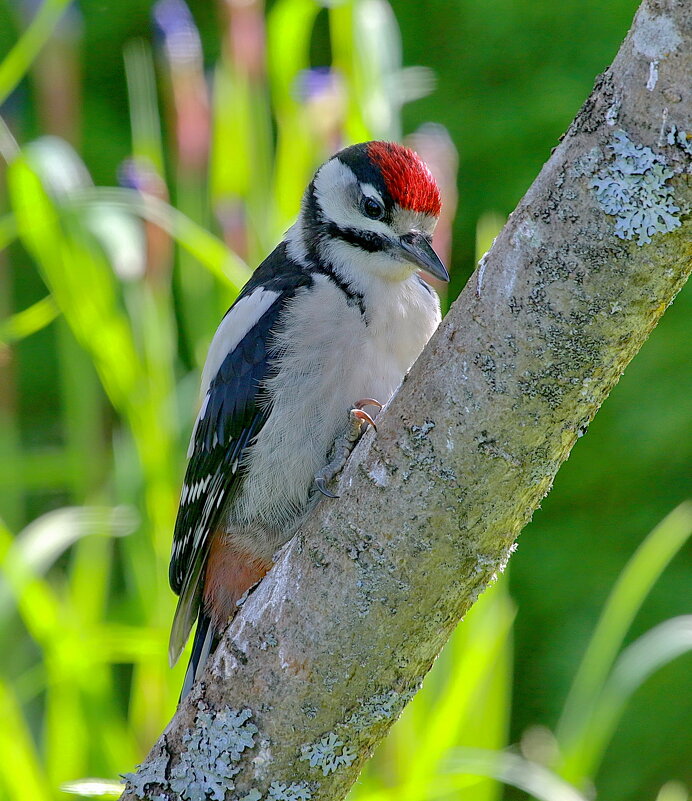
<point x="328" y="324"/>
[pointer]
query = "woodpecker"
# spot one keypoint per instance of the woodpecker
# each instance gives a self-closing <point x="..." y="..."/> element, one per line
<point x="330" y="322"/>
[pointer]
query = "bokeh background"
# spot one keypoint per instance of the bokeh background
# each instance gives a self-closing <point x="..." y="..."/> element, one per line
<point x="150" y="151"/>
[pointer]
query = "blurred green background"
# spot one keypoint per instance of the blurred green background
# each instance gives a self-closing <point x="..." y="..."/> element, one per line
<point x="154" y="150"/>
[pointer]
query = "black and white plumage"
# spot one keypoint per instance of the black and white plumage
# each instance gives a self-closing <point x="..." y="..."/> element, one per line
<point x="336" y="313"/>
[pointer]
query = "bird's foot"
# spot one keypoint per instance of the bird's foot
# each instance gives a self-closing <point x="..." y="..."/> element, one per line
<point x="343" y="447"/>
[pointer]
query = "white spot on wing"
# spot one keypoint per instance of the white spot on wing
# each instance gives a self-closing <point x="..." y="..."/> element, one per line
<point x="295" y="247"/>
<point x="234" y="326"/>
<point x="191" y="492"/>
<point x="200" y="416"/>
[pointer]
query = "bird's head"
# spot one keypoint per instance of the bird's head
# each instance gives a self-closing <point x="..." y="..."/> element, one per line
<point x="372" y="209"/>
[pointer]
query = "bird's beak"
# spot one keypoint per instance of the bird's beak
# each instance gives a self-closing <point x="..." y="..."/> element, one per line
<point x="416" y="248"/>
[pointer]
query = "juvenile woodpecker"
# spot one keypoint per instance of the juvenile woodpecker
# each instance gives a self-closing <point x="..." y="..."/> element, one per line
<point x="332" y="319"/>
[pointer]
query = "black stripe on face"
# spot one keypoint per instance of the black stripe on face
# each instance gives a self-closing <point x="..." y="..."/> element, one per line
<point x="319" y="229"/>
<point x="365" y="240"/>
<point x="353" y="297"/>
<point x="311" y="211"/>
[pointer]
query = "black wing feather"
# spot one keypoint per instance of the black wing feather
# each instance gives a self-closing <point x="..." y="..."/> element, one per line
<point x="234" y="414"/>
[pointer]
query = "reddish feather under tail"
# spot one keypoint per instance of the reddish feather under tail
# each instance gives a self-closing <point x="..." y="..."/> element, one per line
<point x="230" y="573"/>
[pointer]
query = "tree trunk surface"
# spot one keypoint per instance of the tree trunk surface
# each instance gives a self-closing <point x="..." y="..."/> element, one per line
<point x="333" y="643"/>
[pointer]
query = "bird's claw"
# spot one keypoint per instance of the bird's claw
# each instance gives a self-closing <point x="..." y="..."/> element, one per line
<point x="321" y="484"/>
<point x="367" y="402"/>
<point x="363" y="417"/>
<point x="358" y="416"/>
<point x="344" y="446"/>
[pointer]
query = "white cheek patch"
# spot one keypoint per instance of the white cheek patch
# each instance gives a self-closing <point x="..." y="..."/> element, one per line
<point x="360" y="267"/>
<point x="338" y="192"/>
<point x="295" y="245"/>
<point x="234" y="326"/>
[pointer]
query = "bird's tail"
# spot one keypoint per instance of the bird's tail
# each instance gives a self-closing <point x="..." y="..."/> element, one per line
<point x="205" y="643"/>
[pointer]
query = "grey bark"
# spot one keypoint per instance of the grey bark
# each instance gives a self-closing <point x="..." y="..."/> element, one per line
<point x="338" y="637"/>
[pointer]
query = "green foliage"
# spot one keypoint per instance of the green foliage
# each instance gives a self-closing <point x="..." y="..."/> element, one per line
<point x="113" y="295"/>
<point x="16" y="63"/>
<point x="588" y="715"/>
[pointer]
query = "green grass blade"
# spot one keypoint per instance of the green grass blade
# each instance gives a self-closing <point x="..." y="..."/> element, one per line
<point x="8" y="231"/>
<point x="342" y="34"/>
<point x="35" y="599"/>
<point x="28" y="321"/>
<point x="144" y="113"/>
<point x="66" y="733"/>
<point x="37" y="547"/>
<point x="516" y="771"/>
<point x="21" y="773"/>
<point x="463" y="767"/>
<point x="289" y="26"/>
<point x="94" y="788"/>
<point x="208" y="249"/>
<point x="673" y="791"/>
<point x="18" y="61"/>
<point x="298" y="151"/>
<point x="81" y="283"/>
<point x="263" y="234"/>
<point x="376" y="68"/>
<point x="626" y="598"/>
<point x="482" y="638"/>
<point x="488" y="226"/>
<point x="638" y="661"/>
<point x="87" y="292"/>
<point x="230" y="178"/>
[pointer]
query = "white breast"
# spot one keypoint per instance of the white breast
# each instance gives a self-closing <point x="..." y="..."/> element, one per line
<point x="332" y="358"/>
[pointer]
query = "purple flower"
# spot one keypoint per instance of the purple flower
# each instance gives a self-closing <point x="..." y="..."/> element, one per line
<point x="315" y="82"/>
<point x="177" y="28"/>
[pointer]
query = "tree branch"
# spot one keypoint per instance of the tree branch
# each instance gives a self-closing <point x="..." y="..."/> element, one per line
<point x="334" y="642"/>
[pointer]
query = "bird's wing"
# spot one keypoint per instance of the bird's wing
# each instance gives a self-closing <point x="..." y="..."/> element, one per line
<point x="239" y="360"/>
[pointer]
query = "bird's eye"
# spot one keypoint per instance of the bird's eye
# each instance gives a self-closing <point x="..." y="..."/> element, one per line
<point x="371" y="208"/>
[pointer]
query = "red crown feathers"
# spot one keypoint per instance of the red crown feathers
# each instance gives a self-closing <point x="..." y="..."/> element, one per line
<point x="407" y="177"/>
